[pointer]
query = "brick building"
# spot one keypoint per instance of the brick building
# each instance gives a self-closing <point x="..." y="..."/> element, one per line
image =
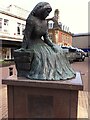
<point x="59" y="33"/>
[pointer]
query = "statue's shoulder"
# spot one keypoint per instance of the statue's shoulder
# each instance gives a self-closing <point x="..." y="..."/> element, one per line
<point x="31" y="19"/>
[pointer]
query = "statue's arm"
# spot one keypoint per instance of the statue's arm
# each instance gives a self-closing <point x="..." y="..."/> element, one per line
<point x="27" y="33"/>
<point x="50" y="43"/>
<point x="47" y="39"/>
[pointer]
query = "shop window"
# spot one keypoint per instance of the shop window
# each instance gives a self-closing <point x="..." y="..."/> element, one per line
<point x="0" y="24"/>
<point x="6" y="53"/>
<point x="10" y="71"/>
<point x="0" y="53"/>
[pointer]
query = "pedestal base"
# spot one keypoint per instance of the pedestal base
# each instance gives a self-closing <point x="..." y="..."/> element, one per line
<point x="43" y="99"/>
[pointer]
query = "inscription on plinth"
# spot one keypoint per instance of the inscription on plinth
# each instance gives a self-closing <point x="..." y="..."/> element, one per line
<point x="40" y="106"/>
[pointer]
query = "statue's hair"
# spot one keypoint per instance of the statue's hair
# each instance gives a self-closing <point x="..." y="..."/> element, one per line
<point x="39" y="6"/>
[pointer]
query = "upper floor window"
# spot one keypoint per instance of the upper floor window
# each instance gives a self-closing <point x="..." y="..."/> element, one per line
<point x="60" y="25"/>
<point x="50" y="24"/>
<point x="6" y="25"/>
<point x="0" y="24"/>
<point x="23" y="27"/>
<point x="51" y="36"/>
<point x="18" y="28"/>
<point x="6" y="22"/>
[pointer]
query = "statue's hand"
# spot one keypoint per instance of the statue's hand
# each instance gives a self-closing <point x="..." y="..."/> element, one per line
<point x="55" y="48"/>
<point x="22" y="49"/>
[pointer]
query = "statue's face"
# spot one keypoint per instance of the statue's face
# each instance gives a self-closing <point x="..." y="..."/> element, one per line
<point x="46" y="12"/>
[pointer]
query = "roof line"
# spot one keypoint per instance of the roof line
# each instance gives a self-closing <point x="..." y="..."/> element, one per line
<point x="9" y="14"/>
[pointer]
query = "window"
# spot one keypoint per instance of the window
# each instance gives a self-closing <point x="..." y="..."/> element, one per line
<point x="6" y="25"/>
<point x="60" y="25"/>
<point x="18" y="28"/>
<point x="51" y="36"/>
<point x="6" y="53"/>
<point x="10" y="71"/>
<point x="50" y="24"/>
<point x="62" y="36"/>
<point x="0" y="24"/>
<point x="0" y="53"/>
<point x="6" y="22"/>
<point x="23" y="27"/>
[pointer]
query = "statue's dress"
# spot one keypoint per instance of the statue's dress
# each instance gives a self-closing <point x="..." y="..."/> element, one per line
<point x="46" y="64"/>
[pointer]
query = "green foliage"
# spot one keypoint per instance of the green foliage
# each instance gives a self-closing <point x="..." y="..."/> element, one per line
<point x="6" y="63"/>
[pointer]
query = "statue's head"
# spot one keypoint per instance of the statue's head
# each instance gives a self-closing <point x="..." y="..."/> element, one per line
<point x="41" y="10"/>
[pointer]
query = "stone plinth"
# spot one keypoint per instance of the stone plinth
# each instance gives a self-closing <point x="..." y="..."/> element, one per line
<point x="42" y="99"/>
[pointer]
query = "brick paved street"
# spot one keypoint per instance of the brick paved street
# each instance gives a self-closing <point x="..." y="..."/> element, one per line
<point x="83" y="95"/>
<point x="83" y="104"/>
<point x="3" y="102"/>
<point x="82" y="67"/>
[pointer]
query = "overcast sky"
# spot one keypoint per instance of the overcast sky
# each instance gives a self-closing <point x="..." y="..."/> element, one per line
<point x="73" y="13"/>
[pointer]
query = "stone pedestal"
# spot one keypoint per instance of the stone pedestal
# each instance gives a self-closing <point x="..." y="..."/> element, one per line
<point x="42" y="99"/>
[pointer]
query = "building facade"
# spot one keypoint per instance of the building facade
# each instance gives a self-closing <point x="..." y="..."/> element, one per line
<point x="12" y="24"/>
<point x="81" y="41"/>
<point x="59" y="33"/>
<point x="60" y="37"/>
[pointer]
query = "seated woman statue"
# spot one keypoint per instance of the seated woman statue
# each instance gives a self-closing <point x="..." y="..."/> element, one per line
<point x="47" y="61"/>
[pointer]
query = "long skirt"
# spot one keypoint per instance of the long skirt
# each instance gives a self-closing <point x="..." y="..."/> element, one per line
<point x="46" y="64"/>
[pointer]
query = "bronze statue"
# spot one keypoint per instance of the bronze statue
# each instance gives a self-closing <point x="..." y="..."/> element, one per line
<point x="39" y="58"/>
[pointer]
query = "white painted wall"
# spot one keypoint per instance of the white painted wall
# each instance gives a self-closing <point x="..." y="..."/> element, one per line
<point x="18" y="16"/>
<point x="12" y="26"/>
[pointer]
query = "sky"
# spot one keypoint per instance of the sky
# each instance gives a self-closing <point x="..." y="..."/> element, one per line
<point x="73" y="13"/>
